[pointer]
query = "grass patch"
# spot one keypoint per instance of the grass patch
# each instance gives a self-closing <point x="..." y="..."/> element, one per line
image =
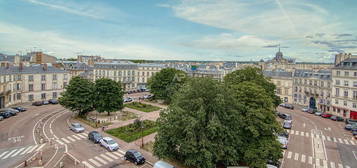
<point x="142" y="107"/>
<point x="91" y="123"/>
<point x="132" y="132"/>
<point x="126" y="115"/>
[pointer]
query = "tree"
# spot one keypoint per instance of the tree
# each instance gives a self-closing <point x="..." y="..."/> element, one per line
<point x="208" y="123"/>
<point x="78" y="96"/>
<point x="256" y="76"/>
<point x="166" y="82"/>
<point x="108" y="95"/>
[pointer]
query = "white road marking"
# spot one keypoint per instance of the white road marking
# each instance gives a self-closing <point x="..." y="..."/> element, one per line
<point x="302" y="133"/>
<point x="346" y="166"/>
<point x="334" y="139"/>
<point x="340" y="165"/>
<point x="328" y="138"/>
<point x="292" y="132"/>
<point x="288" y="131"/>
<point x="352" y="142"/>
<point x="65" y="140"/>
<point x="81" y="135"/>
<point x="307" y="134"/>
<point x="39" y="148"/>
<point x="346" y="142"/>
<point x="76" y="137"/>
<point x="60" y="142"/>
<point x="332" y="165"/>
<point x="354" y="154"/>
<point x="122" y="152"/>
<point x="32" y="149"/>
<point x="17" y="152"/>
<point x="118" y="154"/>
<point x="323" y="137"/>
<point x="3" y="153"/>
<point x="324" y="163"/>
<point x="95" y="162"/>
<point x="289" y="154"/>
<point x="86" y="164"/>
<point x="296" y="156"/>
<point x="106" y="157"/>
<point x="340" y="140"/>
<point x="8" y="155"/>
<point x="317" y="162"/>
<point x="296" y="132"/>
<point x="111" y="155"/>
<point x="310" y="160"/>
<point x="28" y="148"/>
<point x="100" y="160"/>
<point x="312" y="135"/>
<point x="303" y="158"/>
<point x="73" y="140"/>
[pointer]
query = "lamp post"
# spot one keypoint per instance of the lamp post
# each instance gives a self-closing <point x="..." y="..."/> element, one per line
<point x="142" y="138"/>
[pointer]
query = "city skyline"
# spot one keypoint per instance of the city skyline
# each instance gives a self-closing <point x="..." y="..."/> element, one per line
<point x="180" y="30"/>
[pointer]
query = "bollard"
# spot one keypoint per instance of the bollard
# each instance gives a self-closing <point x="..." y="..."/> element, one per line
<point x="25" y="164"/>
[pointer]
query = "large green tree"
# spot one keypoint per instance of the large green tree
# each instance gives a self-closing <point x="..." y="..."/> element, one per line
<point x="108" y="95"/>
<point x="78" y="96"/>
<point x="166" y="82"/>
<point x="209" y="123"/>
<point x="256" y="76"/>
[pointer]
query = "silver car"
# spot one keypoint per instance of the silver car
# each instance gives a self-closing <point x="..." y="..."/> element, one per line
<point x="287" y="124"/>
<point x="76" y="127"/>
<point x="283" y="141"/>
<point x="109" y="144"/>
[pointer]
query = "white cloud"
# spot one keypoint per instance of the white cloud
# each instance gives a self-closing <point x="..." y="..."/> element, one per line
<point x="14" y="38"/>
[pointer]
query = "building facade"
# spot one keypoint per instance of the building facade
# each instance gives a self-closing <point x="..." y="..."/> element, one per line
<point x="284" y="84"/>
<point x="344" y="90"/>
<point x="313" y="89"/>
<point x="21" y="84"/>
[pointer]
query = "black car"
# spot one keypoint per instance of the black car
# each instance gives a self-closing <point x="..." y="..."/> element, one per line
<point x="337" y="118"/>
<point x="285" y="116"/>
<point x="20" y="109"/>
<point x="350" y="121"/>
<point x="284" y="134"/>
<point x="289" y="106"/>
<point x="53" y="101"/>
<point x="94" y="136"/>
<point x="134" y="157"/>
<point x="37" y="103"/>
<point x="13" y="112"/>
<point x="5" y="114"/>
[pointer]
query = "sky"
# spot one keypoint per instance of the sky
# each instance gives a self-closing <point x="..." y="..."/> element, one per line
<point x="217" y="30"/>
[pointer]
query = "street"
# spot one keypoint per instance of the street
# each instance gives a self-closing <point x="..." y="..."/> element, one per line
<point x="318" y="142"/>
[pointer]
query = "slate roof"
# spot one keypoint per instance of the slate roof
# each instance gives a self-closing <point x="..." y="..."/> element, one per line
<point x="34" y="69"/>
<point x="350" y="63"/>
<point x="278" y="74"/>
<point x="321" y="74"/>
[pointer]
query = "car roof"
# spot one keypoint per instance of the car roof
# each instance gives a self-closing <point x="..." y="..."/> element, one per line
<point x="76" y="124"/>
<point x="107" y="138"/>
<point x="162" y="164"/>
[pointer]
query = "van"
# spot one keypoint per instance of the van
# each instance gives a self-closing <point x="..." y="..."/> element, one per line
<point x="162" y="164"/>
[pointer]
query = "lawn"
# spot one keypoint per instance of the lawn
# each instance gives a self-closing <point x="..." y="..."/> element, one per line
<point x="91" y="123"/>
<point x="142" y="107"/>
<point x="133" y="132"/>
<point x="126" y="115"/>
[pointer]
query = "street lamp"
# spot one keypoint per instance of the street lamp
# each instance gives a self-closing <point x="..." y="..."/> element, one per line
<point x="142" y="137"/>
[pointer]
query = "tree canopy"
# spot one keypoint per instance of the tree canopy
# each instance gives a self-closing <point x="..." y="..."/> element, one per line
<point x="78" y="96"/>
<point x="209" y="123"/>
<point x="108" y="95"/>
<point x="256" y="76"/>
<point x="166" y="82"/>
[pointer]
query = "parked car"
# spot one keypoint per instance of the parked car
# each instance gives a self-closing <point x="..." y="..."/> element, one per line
<point x="284" y="134"/>
<point x="288" y="117"/>
<point x="282" y="115"/>
<point x="148" y="96"/>
<point x="45" y="102"/>
<point x="273" y="163"/>
<point x="162" y="164"/>
<point x="354" y="133"/>
<point x="5" y="114"/>
<point x="348" y="126"/>
<point x="326" y="115"/>
<point x="318" y="113"/>
<point x="283" y="141"/>
<point x="134" y="157"/>
<point x="11" y="111"/>
<point x="37" y="103"/>
<point x="350" y="121"/>
<point x="337" y="118"/>
<point x="94" y="136"/>
<point x="311" y="110"/>
<point x="305" y="109"/>
<point x="289" y="106"/>
<point x="1" y="118"/>
<point x="354" y="127"/>
<point x="76" y="127"/>
<point x="287" y="124"/>
<point x="20" y="109"/>
<point x="53" y="101"/>
<point x="128" y="99"/>
<point x="109" y="144"/>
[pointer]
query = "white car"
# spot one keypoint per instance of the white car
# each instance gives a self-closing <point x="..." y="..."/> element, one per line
<point x="305" y="109"/>
<point x="283" y="141"/>
<point x="109" y="144"/>
<point x="76" y="127"/>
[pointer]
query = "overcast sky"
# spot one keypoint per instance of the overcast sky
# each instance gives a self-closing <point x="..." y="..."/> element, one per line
<point x="238" y="30"/>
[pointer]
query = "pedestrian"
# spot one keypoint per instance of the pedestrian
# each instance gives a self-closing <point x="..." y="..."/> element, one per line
<point x="103" y="128"/>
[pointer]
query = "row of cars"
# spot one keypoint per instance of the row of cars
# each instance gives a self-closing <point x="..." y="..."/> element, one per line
<point x="322" y="114"/>
<point x="110" y="144"/>
<point x="130" y="99"/>
<point x="351" y="125"/>
<point x="9" y="112"/>
<point x="45" y="102"/>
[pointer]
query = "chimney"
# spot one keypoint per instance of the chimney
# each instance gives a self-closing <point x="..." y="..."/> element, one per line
<point x="45" y="67"/>
<point x="7" y="65"/>
<point x="21" y="66"/>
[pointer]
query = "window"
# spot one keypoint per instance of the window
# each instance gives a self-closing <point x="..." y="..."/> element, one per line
<point x="30" y="87"/>
<point x="64" y="84"/>
<point x="54" y="77"/>
<point x="31" y="78"/>
<point x="355" y="95"/>
<point x="345" y="83"/>
<point x="322" y="84"/>
<point x="337" y="92"/>
<point x="354" y="105"/>
<point x="345" y="103"/>
<point x="315" y="83"/>
<point x="30" y="97"/>
<point x="18" y="96"/>
<point x="43" y="77"/>
<point x="305" y="81"/>
<point x="354" y="83"/>
<point x="43" y="96"/>
<point x="43" y="86"/>
<point x="345" y="93"/>
<point x="54" y="95"/>
<point x="336" y="101"/>
<point x="337" y="82"/>
<point x="65" y="76"/>
<point x="18" y="86"/>
<point x="310" y="82"/>
<point x="338" y="73"/>
<point x="18" y="77"/>
<point x="347" y="73"/>
<point x="354" y="73"/>
<point x="54" y="85"/>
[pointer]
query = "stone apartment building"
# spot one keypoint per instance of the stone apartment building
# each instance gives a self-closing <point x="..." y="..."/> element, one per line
<point x="344" y="89"/>
<point x="21" y="84"/>
<point x="284" y="84"/>
<point x="132" y="76"/>
<point x="312" y="88"/>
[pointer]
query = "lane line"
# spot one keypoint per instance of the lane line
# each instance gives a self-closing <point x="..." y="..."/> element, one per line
<point x="60" y="142"/>
<point x="296" y="156"/>
<point x="101" y="160"/>
<point x="346" y="142"/>
<point x="39" y="148"/>
<point x="289" y="154"/>
<point x="334" y="140"/>
<point x="65" y="140"/>
<point x="8" y="155"/>
<point x="323" y="137"/>
<point x="76" y="137"/>
<point x="303" y="158"/>
<point x="332" y="165"/>
<point x="17" y="152"/>
<point x="3" y="153"/>
<point x="111" y="155"/>
<point x="340" y="140"/>
<point x="95" y="162"/>
<point x="310" y="160"/>
<point x="106" y="157"/>
<point x="340" y="165"/>
<point x="324" y="163"/>
<point x="73" y="140"/>
<point x="118" y="154"/>
<point x="28" y="148"/>
<point x="32" y="149"/>
<point x="86" y="164"/>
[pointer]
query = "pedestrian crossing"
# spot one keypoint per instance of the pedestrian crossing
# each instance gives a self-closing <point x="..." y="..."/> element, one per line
<point x="325" y="138"/>
<point x="72" y="138"/>
<point x="103" y="159"/>
<point x="312" y="161"/>
<point x="20" y="151"/>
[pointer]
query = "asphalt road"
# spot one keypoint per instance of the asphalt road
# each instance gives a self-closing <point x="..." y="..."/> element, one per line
<point x="316" y="142"/>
